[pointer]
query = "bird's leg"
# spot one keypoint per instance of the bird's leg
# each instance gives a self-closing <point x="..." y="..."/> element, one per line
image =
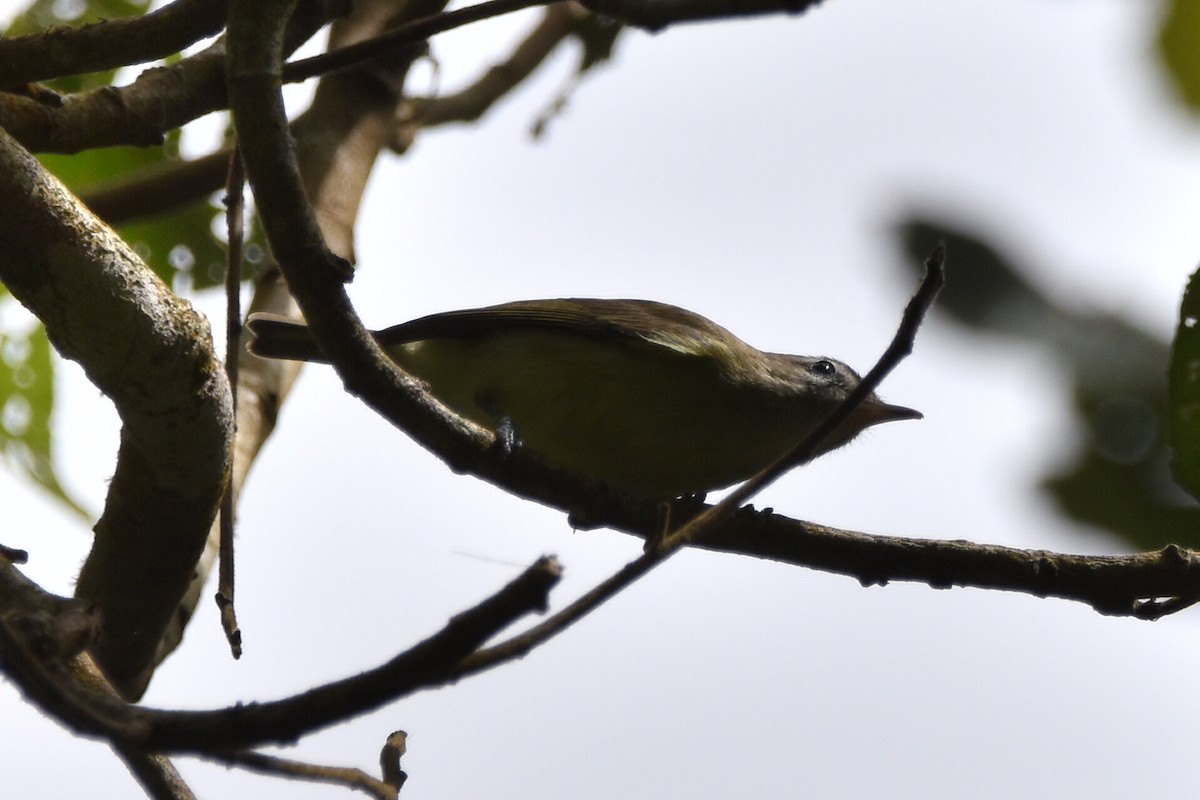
<point x="661" y="528"/>
<point x="507" y="440"/>
<point x="688" y="506"/>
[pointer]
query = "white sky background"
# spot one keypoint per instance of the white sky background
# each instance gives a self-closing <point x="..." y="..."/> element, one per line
<point x="749" y="171"/>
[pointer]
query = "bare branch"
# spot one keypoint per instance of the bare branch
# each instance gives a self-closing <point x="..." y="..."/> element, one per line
<point x="1115" y="585"/>
<point x="401" y="39"/>
<point x="156" y="773"/>
<point x="655" y="15"/>
<point x="139" y="114"/>
<point x="235" y="207"/>
<point x="54" y="627"/>
<point x="160" y="189"/>
<point x="109" y="44"/>
<point x="429" y="663"/>
<point x="256" y="48"/>
<point x="468" y="105"/>
<point x="348" y="777"/>
<point x="160" y="100"/>
<point x="54" y="630"/>
<point x="524" y="642"/>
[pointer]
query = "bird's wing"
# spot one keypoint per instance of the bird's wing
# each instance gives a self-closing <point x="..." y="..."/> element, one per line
<point x="633" y="321"/>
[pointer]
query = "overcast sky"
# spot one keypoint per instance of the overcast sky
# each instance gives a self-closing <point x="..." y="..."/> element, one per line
<point x="749" y="171"/>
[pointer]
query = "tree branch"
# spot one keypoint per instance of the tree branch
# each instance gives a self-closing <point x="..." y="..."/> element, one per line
<point x="159" y="100"/>
<point x="109" y="44"/>
<point x="55" y="630"/>
<point x="401" y="38"/>
<point x="152" y="354"/>
<point x="161" y="189"/>
<point x="348" y="777"/>
<point x="1119" y="585"/>
<point x="429" y="663"/>
<point x="655" y="15"/>
<point x="235" y="208"/>
<point x="468" y="105"/>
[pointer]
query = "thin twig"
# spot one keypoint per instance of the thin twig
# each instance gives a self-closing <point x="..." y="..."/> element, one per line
<point x="655" y="15"/>
<point x="404" y="36"/>
<point x="469" y="104"/>
<point x="517" y="646"/>
<point x="234" y="213"/>
<point x="349" y="777"/>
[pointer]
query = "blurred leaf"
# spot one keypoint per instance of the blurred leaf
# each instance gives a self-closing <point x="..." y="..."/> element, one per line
<point x="1184" y="383"/>
<point x="1117" y="498"/>
<point x="26" y="401"/>
<point x="181" y="242"/>
<point x="41" y="15"/>
<point x="1119" y="479"/>
<point x="1179" y="49"/>
<point x="985" y="290"/>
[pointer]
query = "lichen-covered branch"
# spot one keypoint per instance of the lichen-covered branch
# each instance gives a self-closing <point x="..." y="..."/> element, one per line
<point x="152" y="355"/>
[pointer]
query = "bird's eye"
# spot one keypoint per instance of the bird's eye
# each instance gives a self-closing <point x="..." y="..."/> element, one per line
<point x="823" y="367"/>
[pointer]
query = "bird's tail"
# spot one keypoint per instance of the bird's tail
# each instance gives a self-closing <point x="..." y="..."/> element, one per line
<point x="277" y="337"/>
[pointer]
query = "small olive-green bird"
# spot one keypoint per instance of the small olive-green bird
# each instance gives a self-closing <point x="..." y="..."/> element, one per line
<point x="647" y="397"/>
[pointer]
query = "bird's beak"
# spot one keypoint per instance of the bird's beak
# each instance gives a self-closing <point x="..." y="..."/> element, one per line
<point x="875" y="412"/>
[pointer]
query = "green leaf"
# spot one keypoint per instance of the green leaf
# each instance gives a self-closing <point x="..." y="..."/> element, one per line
<point x="1184" y="390"/>
<point x="1179" y="49"/>
<point x="26" y="400"/>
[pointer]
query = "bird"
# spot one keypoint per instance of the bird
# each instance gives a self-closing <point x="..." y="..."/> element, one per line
<point x="649" y="398"/>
